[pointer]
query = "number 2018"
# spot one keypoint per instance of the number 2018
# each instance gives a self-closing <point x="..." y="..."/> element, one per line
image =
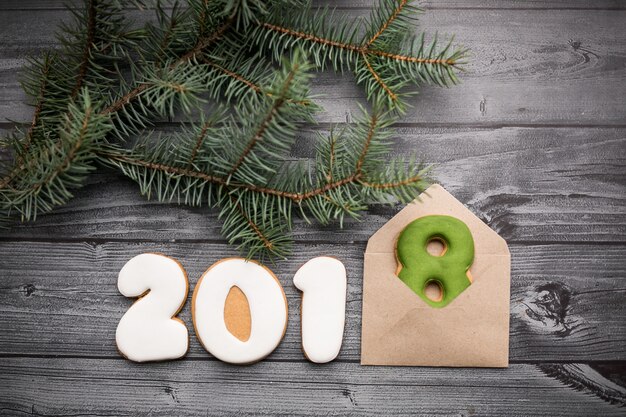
<point x="150" y="330"/>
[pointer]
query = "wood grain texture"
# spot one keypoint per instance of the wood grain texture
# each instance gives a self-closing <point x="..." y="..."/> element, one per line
<point x="353" y="4"/>
<point x="529" y="184"/>
<point x="526" y="67"/>
<point x="533" y="141"/>
<point x="58" y="386"/>
<point x="62" y="299"/>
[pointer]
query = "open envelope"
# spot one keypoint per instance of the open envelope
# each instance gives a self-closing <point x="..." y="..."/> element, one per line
<point x="399" y="328"/>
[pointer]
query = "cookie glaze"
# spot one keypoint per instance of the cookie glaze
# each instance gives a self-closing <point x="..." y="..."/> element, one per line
<point x="149" y="331"/>
<point x="323" y="283"/>
<point x="268" y="310"/>
<point x="418" y="268"/>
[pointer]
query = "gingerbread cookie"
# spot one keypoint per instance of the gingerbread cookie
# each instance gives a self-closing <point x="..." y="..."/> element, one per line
<point x="149" y="331"/>
<point x="323" y="283"/>
<point x="418" y="268"/>
<point x="267" y="308"/>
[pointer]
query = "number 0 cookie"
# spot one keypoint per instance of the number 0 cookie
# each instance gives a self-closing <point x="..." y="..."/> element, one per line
<point x="267" y="305"/>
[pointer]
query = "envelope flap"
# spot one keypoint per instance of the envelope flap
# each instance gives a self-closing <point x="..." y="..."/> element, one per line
<point x="436" y="200"/>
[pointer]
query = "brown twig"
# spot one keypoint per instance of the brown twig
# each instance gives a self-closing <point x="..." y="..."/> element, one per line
<point x="125" y="99"/>
<point x="71" y="154"/>
<point x="331" y="159"/>
<point x="395" y="184"/>
<point x="266" y="121"/>
<point x="366" y="145"/>
<point x="199" y="142"/>
<point x="385" y="25"/>
<point x="254" y="87"/>
<point x="316" y="39"/>
<point x="200" y="45"/>
<point x="206" y="41"/>
<point x="19" y="162"/>
<point x="91" y="31"/>
<point x="356" y="48"/>
<point x="398" y="57"/>
<point x="355" y="178"/>
<point x="232" y="74"/>
<point x="296" y="197"/>
<point x="266" y="242"/>
<point x="379" y="80"/>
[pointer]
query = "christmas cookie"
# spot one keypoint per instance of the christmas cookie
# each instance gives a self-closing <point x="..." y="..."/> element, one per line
<point x="266" y="302"/>
<point x="323" y="284"/>
<point x="418" y="268"/>
<point x="149" y="331"/>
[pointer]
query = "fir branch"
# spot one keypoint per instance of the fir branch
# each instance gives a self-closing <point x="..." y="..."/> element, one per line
<point x="362" y="50"/>
<point x="55" y="169"/>
<point x="44" y="80"/>
<point x="355" y="173"/>
<point x="267" y="243"/>
<point x="237" y="159"/>
<point x="233" y="75"/>
<point x="137" y="118"/>
<point x="246" y="81"/>
<point x="278" y="101"/>
<point x="25" y="145"/>
<point x="120" y="158"/>
<point x="386" y="60"/>
<point x="392" y="17"/>
<point x="249" y="149"/>
<point x="126" y="99"/>
<point x="200" y="140"/>
<point x="89" y="44"/>
<point x="393" y="96"/>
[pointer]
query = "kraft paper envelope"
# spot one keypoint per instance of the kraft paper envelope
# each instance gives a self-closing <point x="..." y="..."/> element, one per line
<point x="399" y="328"/>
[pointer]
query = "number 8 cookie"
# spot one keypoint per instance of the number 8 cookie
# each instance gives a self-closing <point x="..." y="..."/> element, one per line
<point x="417" y="268"/>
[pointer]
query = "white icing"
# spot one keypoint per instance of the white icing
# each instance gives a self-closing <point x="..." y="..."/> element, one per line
<point x="148" y="331"/>
<point x="268" y="310"/>
<point x="323" y="284"/>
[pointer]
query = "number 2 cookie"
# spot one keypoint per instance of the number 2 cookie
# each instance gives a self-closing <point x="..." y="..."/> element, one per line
<point x="418" y="268"/>
<point x="149" y="331"/>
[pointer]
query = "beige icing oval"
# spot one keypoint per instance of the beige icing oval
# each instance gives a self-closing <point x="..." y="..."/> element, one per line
<point x="237" y="315"/>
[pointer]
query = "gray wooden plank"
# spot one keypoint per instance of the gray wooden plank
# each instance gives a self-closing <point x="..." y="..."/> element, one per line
<point x="567" y="301"/>
<point x="487" y="4"/>
<point x="529" y="184"/>
<point x="526" y="67"/>
<point x="428" y="5"/>
<point x="55" y="386"/>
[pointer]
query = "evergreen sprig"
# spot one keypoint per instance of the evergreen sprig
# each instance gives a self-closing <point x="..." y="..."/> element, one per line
<point x="223" y="64"/>
<point x="386" y="57"/>
<point x="55" y="167"/>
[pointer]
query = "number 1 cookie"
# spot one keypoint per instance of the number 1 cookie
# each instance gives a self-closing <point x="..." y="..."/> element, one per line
<point x="323" y="283"/>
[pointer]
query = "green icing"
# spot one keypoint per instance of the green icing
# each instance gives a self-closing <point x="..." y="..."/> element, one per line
<point x="419" y="268"/>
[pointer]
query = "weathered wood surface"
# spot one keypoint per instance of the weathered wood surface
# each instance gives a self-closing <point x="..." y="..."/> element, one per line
<point x="533" y="141"/>
<point x="511" y="177"/>
<point x="354" y="4"/>
<point x="526" y="67"/>
<point x="64" y="295"/>
<point x="59" y="386"/>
